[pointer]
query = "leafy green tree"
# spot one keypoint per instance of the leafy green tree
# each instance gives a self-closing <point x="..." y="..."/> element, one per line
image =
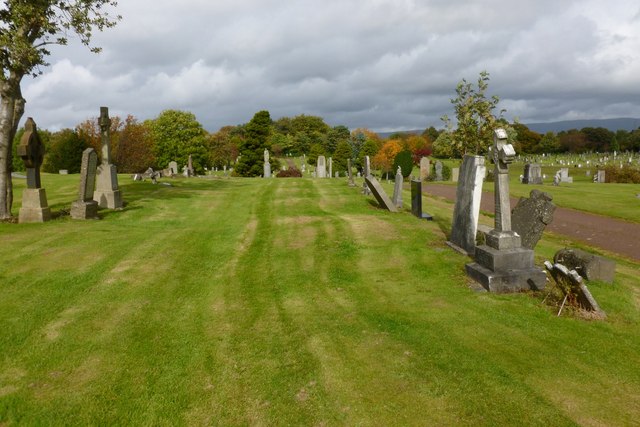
<point x="443" y="147"/>
<point x="64" y="152"/>
<point x="27" y="29"/>
<point x="316" y="151"/>
<point x="252" y="149"/>
<point x="404" y="159"/>
<point x="335" y="136"/>
<point x="176" y="135"/>
<point x="224" y="146"/>
<point x="549" y="143"/>
<point x="476" y="121"/>
<point x="432" y="133"/>
<point x="599" y="139"/>
<point x="369" y="148"/>
<point x="528" y="141"/>
<point x="341" y="155"/>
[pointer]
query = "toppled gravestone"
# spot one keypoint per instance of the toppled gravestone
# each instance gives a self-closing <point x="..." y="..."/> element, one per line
<point x="531" y="216"/>
<point x="574" y="289"/>
<point x="589" y="266"/>
<point x="379" y="193"/>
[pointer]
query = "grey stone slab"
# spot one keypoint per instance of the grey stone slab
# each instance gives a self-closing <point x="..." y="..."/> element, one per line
<point x="589" y="266"/>
<point x="532" y="174"/>
<point x="467" y="208"/>
<point x="379" y="193"/>
<point x="571" y="284"/>
<point x="416" y="201"/>
<point x="530" y="217"/>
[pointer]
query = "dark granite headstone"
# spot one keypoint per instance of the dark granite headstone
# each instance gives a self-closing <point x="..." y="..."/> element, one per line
<point x="416" y="201"/>
<point x="530" y="217"/>
<point x="379" y="193"/>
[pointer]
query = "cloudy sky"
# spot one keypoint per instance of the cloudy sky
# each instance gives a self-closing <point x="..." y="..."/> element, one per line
<point x="380" y="64"/>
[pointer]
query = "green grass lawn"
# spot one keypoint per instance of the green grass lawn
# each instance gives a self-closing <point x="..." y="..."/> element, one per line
<point x="289" y="302"/>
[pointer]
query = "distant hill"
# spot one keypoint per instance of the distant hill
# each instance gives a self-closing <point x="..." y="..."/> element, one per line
<point x="627" y="124"/>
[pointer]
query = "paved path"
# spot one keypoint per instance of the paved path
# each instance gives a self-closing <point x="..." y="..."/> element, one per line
<point x="615" y="235"/>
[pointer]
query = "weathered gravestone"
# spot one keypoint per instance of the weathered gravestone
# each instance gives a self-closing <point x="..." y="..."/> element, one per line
<point x="321" y="169"/>
<point x="330" y="167"/>
<point x="455" y="174"/>
<point x="564" y="175"/>
<point x="572" y="286"/>
<point x="600" y="177"/>
<point x="173" y="167"/>
<point x="502" y="264"/>
<point x="350" y="174"/>
<point x="589" y="266"/>
<point x="467" y="208"/>
<point x="530" y="217"/>
<point x="107" y="193"/>
<point x="416" y="201"/>
<point x="34" y="198"/>
<point x="438" y="170"/>
<point x="85" y="207"/>
<point x="379" y="193"/>
<point x="532" y="174"/>
<point x="425" y="166"/>
<point x="190" y="171"/>
<point x="267" y="165"/>
<point x="367" y="172"/>
<point x="397" y="189"/>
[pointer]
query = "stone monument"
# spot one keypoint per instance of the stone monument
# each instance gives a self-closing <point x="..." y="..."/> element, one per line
<point x="350" y="174"/>
<point x="455" y="174"/>
<point x="531" y="216"/>
<point x="267" y="165"/>
<point x="425" y="165"/>
<point x="532" y="174"/>
<point x="367" y="172"/>
<point x="173" y="167"/>
<point x="190" y="167"/>
<point x="600" y="177"/>
<point x="107" y="193"/>
<point x="502" y="264"/>
<point x="438" y="170"/>
<point x="466" y="212"/>
<point x="589" y="266"/>
<point x="34" y="198"/>
<point x="416" y="201"/>
<point x="321" y="170"/>
<point x="85" y="207"/>
<point x="564" y="175"/>
<point x="397" y="189"/>
<point x="330" y="167"/>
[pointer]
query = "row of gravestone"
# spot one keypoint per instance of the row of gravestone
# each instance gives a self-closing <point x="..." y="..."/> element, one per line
<point x="103" y="178"/>
<point x="533" y="175"/>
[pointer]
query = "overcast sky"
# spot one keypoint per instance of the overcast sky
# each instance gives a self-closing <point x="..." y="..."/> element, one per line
<point x="380" y="64"/>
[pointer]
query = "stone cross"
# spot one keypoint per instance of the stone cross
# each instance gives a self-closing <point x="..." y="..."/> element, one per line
<point x="105" y="135"/>
<point x="266" y="155"/>
<point x="31" y="150"/>
<point x="503" y="155"/>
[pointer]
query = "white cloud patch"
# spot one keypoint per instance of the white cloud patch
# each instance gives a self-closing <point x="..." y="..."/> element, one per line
<point x="382" y="64"/>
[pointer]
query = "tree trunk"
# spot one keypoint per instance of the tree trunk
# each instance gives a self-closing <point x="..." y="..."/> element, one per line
<point x="11" y="110"/>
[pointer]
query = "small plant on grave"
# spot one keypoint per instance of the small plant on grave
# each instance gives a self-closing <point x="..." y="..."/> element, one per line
<point x="289" y="173"/>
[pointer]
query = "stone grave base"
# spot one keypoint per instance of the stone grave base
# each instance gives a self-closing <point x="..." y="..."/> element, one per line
<point x="84" y="210"/>
<point x="531" y="279"/>
<point x="34" y="206"/>
<point x="108" y="199"/>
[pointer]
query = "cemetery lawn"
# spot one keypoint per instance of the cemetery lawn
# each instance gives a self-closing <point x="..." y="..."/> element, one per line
<point x="289" y="302"/>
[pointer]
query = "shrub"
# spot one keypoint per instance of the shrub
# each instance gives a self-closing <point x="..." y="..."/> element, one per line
<point x="290" y="173"/>
<point x="623" y="175"/>
<point x="404" y="159"/>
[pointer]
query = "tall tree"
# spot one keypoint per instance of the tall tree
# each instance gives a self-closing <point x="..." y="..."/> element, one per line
<point x="252" y="149"/>
<point x="176" y="135"/>
<point x="476" y="120"/>
<point x="135" y="147"/>
<point x="27" y="29"/>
